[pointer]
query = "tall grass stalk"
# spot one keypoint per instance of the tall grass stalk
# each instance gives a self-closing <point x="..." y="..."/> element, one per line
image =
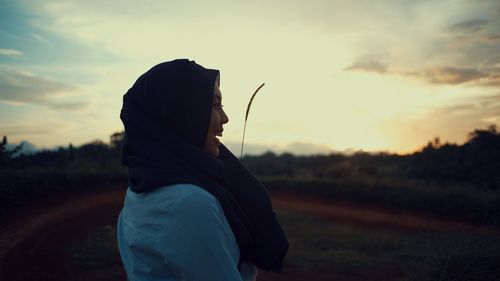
<point x="246" y="118"/>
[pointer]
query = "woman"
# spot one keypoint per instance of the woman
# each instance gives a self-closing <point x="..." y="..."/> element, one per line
<point x="192" y="210"/>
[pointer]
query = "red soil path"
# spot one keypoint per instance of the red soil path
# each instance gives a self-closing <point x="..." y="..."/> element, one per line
<point x="34" y="241"/>
<point x="371" y="216"/>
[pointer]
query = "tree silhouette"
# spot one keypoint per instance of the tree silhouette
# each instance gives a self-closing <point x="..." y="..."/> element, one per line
<point x="6" y="155"/>
<point x="474" y="163"/>
<point x="116" y="140"/>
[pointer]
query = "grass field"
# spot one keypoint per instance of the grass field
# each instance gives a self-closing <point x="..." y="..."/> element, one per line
<point x="445" y="201"/>
<point x="416" y="255"/>
<point x="21" y="188"/>
<point x="349" y="251"/>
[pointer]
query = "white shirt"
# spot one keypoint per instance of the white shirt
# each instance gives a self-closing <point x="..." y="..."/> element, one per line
<point x="178" y="232"/>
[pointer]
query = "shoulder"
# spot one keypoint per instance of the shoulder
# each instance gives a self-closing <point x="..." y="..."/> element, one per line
<point x="186" y="196"/>
<point x="168" y="200"/>
<point x="196" y="202"/>
<point x="170" y="195"/>
<point x="198" y="223"/>
<point x="197" y="214"/>
<point x="183" y="199"/>
<point x="186" y="190"/>
<point x="170" y="205"/>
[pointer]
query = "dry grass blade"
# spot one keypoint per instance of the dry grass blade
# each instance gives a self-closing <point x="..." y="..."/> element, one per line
<point x="246" y="117"/>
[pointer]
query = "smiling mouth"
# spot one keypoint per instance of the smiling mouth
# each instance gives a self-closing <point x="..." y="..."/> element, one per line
<point x="216" y="139"/>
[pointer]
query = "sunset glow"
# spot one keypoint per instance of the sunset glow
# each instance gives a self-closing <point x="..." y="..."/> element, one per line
<point x="358" y="75"/>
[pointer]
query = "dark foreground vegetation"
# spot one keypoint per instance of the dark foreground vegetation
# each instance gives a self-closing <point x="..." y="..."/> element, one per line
<point x="358" y="254"/>
<point x="449" y="180"/>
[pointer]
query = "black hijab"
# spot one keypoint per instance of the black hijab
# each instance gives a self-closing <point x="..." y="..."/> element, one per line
<point x="166" y="115"/>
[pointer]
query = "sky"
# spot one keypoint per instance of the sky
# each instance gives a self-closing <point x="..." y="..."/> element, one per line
<point x="340" y="75"/>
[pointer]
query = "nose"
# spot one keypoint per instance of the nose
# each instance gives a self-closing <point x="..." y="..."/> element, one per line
<point x="224" y="118"/>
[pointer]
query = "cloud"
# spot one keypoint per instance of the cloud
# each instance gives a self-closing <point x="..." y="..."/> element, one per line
<point x="493" y="120"/>
<point x="482" y="107"/>
<point x="487" y="75"/>
<point x="369" y="65"/>
<point x="492" y="81"/>
<point x="489" y="39"/>
<point x="69" y="106"/>
<point x="491" y="102"/>
<point x="24" y="87"/>
<point x="477" y="110"/>
<point x="471" y="26"/>
<point x="451" y="122"/>
<point x="32" y="129"/>
<point x="458" y="109"/>
<point x="482" y="77"/>
<point x="10" y="53"/>
<point x="451" y="75"/>
<point x="492" y="62"/>
<point x="462" y="42"/>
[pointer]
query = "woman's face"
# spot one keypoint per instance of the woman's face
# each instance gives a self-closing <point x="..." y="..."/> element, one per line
<point x="217" y="120"/>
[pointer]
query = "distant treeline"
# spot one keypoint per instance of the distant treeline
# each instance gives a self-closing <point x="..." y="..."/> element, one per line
<point x="475" y="163"/>
<point x="88" y="157"/>
<point x="448" y="180"/>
